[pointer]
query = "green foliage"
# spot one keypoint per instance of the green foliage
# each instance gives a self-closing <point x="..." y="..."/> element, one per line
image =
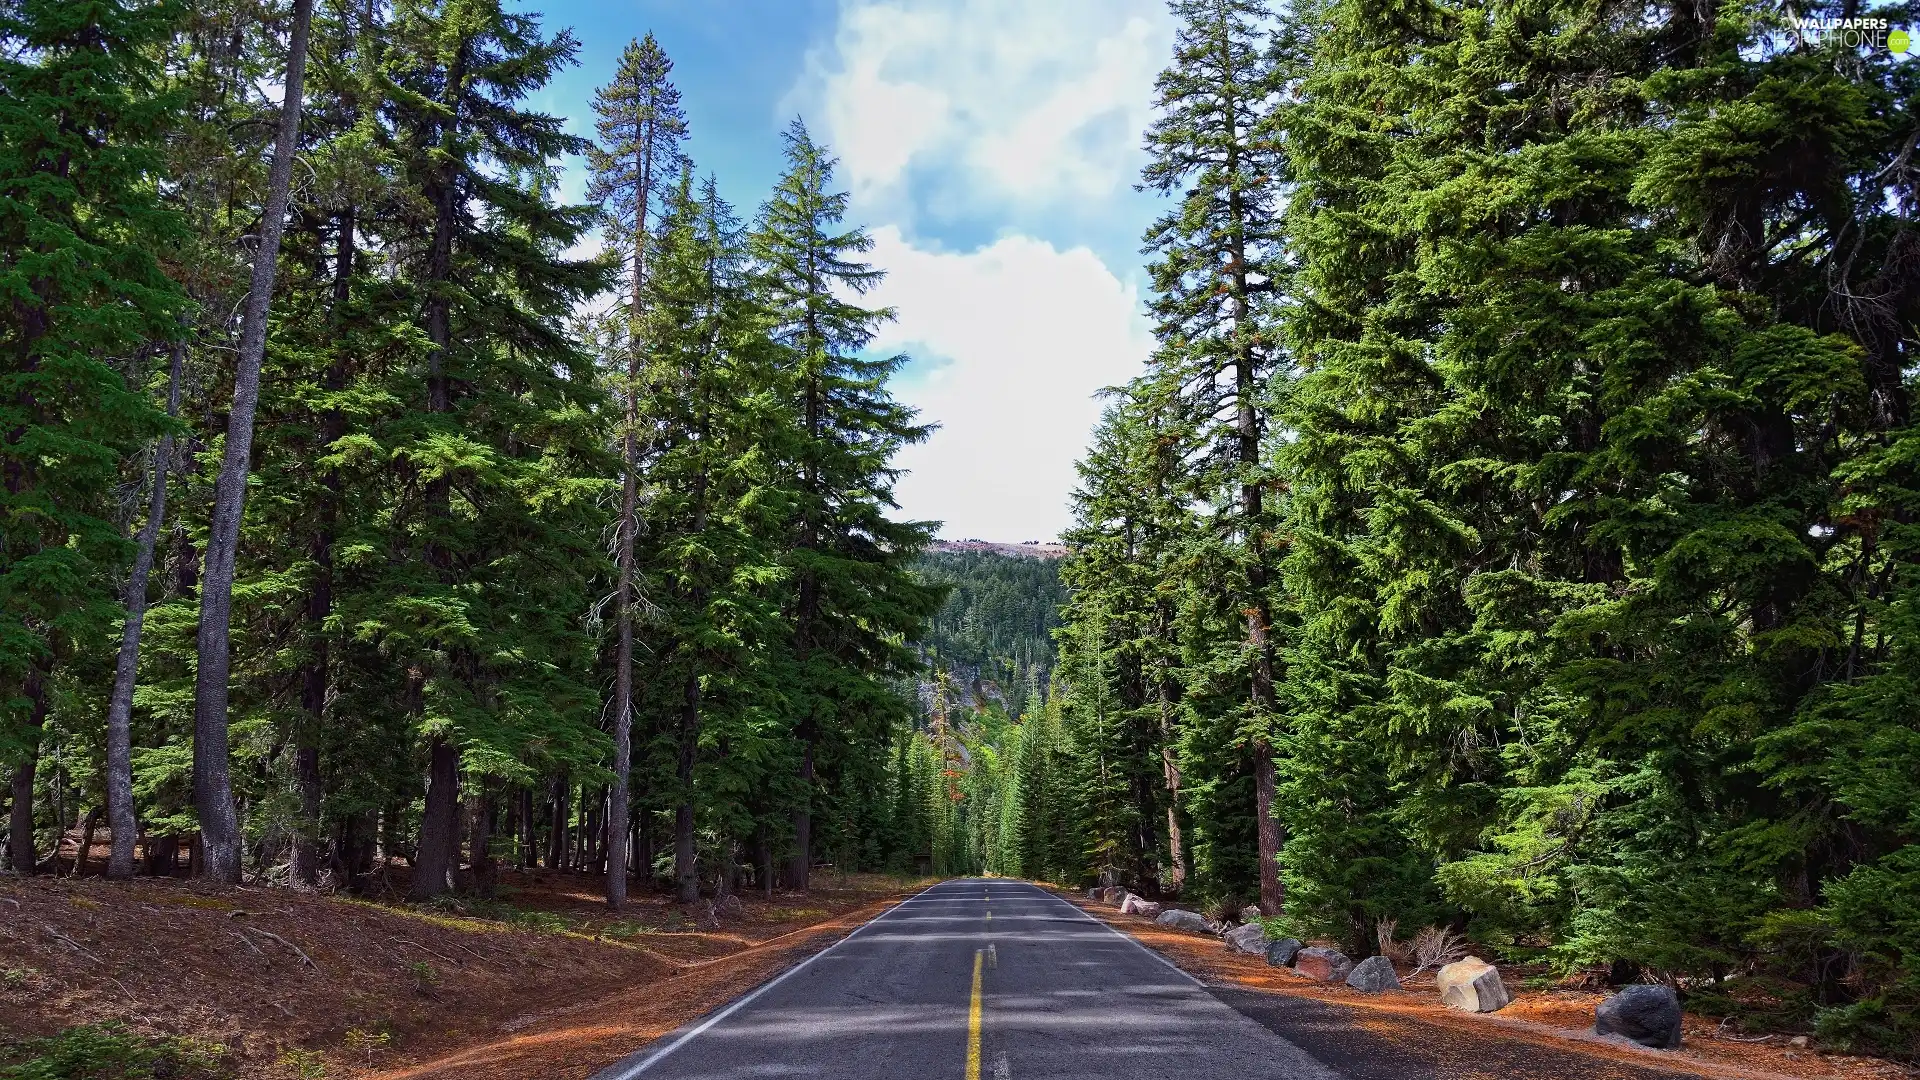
<point x="1586" y="487"/>
<point x="83" y="110"/>
<point x="997" y="623"/>
<point x="110" y="1052"/>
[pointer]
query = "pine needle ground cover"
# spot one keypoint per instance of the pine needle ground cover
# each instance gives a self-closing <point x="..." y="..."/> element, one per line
<point x="257" y="979"/>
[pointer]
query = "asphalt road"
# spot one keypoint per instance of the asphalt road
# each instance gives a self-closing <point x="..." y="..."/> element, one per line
<point x="986" y="979"/>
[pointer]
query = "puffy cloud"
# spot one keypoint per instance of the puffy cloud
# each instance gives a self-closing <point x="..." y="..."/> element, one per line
<point x="1012" y="342"/>
<point x="962" y="104"/>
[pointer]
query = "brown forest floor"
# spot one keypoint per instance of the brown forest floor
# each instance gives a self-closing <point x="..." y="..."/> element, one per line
<point x="544" y="982"/>
<point x="1427" y="1038"/>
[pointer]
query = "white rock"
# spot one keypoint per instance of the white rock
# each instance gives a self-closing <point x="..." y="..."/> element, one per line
<point x="1473" y="985"/>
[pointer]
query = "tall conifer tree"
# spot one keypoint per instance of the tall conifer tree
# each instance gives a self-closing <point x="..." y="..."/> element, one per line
<point x="635" y="163"/>
<point x="853" y="597"/>
<point x="81" y="115"/>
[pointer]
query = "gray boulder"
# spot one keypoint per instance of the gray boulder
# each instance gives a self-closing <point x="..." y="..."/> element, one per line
<point x="1115" y="895"/>
<point x="1093" y="893"/>
<point x="1472" y="984"/>
<point x="1373" y="975"/>
<point x="1649" y="1015"/>
<point x="1326" y="965"/>
<point x="1133" y="905"/>
<point x="1250" y="913"/>
<point x="1250" y="939"/>
<point x="1281" y="953"/>
<point x="1190" y="921"/>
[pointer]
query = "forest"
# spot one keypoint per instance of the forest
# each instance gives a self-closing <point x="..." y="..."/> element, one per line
<point x="353" y="519"/>
<point x="1515" y="526"/>
<point x="1513" y="529"/>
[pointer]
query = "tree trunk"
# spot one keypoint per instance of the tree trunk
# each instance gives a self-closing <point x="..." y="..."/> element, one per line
<point x="525" y="845"/>
<point x="643" y="849"/>
<point x="306" y="840"/>
<point x="480" y="812"/>
<point x="685" y="873"/>
<point x="439" y="826"/>
<point x="800" y="867"/>
<point x="213" y="789"/>
<point x="557" y="835"/>
<point x="87" y="829"/>
<point x="119" y="777"/>
<point x="21" y="855"/>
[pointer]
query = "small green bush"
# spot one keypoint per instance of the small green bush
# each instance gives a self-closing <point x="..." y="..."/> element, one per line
<point x="110" y="1052"/>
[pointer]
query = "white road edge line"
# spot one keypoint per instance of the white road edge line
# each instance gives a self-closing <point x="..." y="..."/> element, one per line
<point x="1128" y="938"/>
<point x="615" y="1072"/>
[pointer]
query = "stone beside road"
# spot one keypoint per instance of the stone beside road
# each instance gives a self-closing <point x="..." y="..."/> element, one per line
<point x="1178" y="919"/>
<point x="1647" y="1014"/>
<point x="1281" y="953"/>
<point x="1326" y="965"/>
<point x="1133" y="905"/>
<point x="1473" y="985"/>
<point x="1374" y="975"/>
<point x="1250" y="939"/>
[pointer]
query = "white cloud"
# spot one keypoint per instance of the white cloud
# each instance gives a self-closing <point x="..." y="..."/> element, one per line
<point x="1022" y="336"/>
<point x="1034" y="102"/>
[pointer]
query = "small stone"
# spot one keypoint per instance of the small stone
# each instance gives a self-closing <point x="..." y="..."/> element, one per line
<point x="1133" y="905"/>
<point x="1250" y="939"/>
<point x="1472" y="984"/>
<point x="1177" y="919"/>
<point x="1281" y="953"/>
<point x="1326" y="965"/>
<point x="1251" y="913"/>
<point x="1093" y="893"/>
<point x="1374" y="975"/>
<point x="731" y="906"/>
<point x="1647" y="1014"/>
<point x="1799" y="1042"/>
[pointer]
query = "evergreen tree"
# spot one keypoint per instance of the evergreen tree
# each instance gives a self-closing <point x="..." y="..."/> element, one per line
<point x="1218" y="265"/>
<point x="494" y="366"/>
<point x="854" y="600"/>
<point x="81" y="113"/>
<point x="638" y="156"/>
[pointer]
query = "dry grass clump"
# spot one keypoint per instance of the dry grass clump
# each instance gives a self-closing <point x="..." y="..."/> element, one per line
<point x="1436" y="946"/>
<point x="1384" y="933"/>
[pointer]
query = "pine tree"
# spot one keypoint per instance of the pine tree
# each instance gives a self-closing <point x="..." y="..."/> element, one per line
<point x="1218" y="262"/>
<point x="640" y="126"/>
<point x="81" y="114"/>
<point x="713" y="525"/>
<point x="496" y="291"/>
<point x="854" y="597"/>
<point x="212" y="785"/>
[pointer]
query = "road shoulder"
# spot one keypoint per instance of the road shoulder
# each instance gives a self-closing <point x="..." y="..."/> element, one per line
<point x="1407" y="1035"/>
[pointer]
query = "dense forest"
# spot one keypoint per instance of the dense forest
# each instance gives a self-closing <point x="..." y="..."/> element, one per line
<point x="351" y="521"/>
<point x="1515" y="526"/>
<point x="993" y="637"/>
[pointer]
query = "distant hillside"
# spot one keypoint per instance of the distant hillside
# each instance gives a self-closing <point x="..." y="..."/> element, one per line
<point x="994" y="637"/>
<point x="1032" y="549"/>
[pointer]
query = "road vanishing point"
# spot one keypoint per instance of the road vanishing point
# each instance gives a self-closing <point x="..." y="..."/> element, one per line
<point x="992" y="979"/>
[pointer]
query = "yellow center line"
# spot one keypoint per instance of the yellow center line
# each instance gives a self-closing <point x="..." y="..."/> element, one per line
<point x="973" y="1021"/>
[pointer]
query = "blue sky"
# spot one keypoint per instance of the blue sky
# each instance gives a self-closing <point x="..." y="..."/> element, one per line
<point x="990" y="147"/>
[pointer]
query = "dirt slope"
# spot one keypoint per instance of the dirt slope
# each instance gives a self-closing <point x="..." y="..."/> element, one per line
<point x="280" y="976"/>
